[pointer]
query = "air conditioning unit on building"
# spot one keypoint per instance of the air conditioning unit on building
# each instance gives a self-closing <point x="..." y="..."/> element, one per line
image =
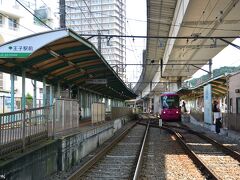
<point x="43" y="13"/>
<point x="237" y="90"/>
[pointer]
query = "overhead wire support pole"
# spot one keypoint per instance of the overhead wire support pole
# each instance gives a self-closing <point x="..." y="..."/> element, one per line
<point x="232" y="44"/>
<point x="62" y="13"/>
<point x="199" y="68"/>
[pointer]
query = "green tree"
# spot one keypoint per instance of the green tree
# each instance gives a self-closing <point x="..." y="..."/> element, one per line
<point x="29" y="100"/>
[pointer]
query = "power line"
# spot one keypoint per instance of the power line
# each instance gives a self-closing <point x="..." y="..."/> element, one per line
<point x="44" y="3"/>
<point x="17" y="23"/>
<point x="92" y="14"/>
<point x="34" y="15"/>
<point x="171" y="64"/>
<point x="169" y="24"/>
<point x="84" y="15"/>
<point x="163" y="37"/>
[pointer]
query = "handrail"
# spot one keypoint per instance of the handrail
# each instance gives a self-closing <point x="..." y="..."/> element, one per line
<point x="21" y="111"/>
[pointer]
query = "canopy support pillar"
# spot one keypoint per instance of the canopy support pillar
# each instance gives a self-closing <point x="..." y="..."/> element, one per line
<point x="12" y="92"/>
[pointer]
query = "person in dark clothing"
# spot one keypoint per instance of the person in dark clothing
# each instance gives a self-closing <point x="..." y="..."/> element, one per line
<point x="215" y="107"/>
<point x="184" y="106"/>
<point x="217" y="118"/>
<point x="218" y="125"/>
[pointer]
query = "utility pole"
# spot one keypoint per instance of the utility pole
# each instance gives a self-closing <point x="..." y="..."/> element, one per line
<point x="62" y="8"/>
<point x="99" y="41"/>
<point x="210" y="74"/>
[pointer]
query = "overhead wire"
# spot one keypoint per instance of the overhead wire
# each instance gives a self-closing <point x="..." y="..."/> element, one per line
<point x="17" y="23"/>
<point x="34" y="15"/>
<point x="90" y="24"/>
<point x="44" y="3"/>
<point x="91" y="14"/>
<point x="132" y="43"/>
<point x="98" y="24"/>
<point x="201" y="30"/>
<point x="70" y="18"/>
<point x="166" y="23"/>
<point x="204" y="10"/>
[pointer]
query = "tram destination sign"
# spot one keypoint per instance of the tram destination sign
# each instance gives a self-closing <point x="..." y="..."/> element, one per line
<point x="96" y="81"/>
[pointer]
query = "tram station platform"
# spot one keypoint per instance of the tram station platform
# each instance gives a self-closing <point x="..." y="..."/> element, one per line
<point x="224" y="132"/>
<point x="61" y="153"/>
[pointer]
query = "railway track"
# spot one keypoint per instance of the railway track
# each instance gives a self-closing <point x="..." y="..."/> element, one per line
<point x="220" y="161"/>
<point x="164" y="158"/>
<point x="151" y="153"/>
<point x="116" y="162"/>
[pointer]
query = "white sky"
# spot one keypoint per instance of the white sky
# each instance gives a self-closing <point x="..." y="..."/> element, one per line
<point x="136" y="10"/>
<point x="229" y="56"/>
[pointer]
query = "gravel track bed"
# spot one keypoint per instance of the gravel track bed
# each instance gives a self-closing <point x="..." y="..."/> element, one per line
<point x="234" y="144"/>
<point x="120" y="162"/>
<point x="223" y="165"/>
<point x="164" y="158"/>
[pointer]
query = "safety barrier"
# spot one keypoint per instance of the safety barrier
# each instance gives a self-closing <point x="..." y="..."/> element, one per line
<point x="118" y="112"/>
<point x="66" y="115"/>
<point x="20" y="128"/>
<point x="231" y="121"/>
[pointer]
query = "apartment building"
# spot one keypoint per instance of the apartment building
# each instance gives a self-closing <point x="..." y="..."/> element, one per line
<point x="101" y="17"/>
<point x="16" y="22"/>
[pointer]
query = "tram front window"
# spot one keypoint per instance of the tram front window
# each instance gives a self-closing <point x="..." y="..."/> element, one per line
<point x="170" y="102"/>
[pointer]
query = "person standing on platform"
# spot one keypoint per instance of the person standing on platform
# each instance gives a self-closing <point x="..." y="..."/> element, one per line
<point x="217" y="116"/>
<point x="184" y="107"/>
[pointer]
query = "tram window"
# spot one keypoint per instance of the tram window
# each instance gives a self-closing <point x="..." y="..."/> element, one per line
<point x="170" y="102"/>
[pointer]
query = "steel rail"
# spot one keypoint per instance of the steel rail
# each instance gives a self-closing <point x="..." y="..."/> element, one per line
<point x="76" y="175"/>
<point x="140" y="158"/>
<point x="225" y="149"/>
<point x="203" y="167"/>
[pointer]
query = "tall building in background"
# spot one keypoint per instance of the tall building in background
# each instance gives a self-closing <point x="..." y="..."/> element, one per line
<point x="101" y="17"/>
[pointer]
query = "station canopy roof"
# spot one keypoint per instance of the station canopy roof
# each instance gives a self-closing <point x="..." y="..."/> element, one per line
<point x="65" y="57"/>
<point x="219" y="88"/>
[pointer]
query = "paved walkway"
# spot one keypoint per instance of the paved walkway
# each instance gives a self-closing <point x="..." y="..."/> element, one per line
<point x="84" y="125"/>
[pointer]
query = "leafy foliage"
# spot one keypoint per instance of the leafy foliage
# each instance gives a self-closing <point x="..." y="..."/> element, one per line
<point x="29" y="100"/>
<point x="216" y="72"/>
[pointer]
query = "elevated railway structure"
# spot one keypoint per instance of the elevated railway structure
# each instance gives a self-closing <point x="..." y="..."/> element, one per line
<point x="176" y="59"/>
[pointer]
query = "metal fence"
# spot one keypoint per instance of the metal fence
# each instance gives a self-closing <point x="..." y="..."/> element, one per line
<point x="5" y="103"/>
<point x="118" y="112"/>
<point x="66" y="115"/>
<point x="231" y="121"/>
<point x="20" y="128"/>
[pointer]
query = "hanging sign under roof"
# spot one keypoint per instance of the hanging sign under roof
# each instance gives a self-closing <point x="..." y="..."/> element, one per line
<point x="96" y="81"/>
